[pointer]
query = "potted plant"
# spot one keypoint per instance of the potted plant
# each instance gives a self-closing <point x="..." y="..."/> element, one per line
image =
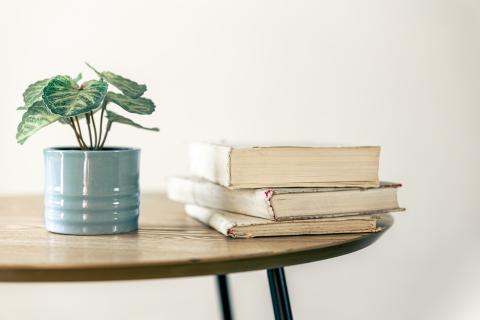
<point x="90" y="189"/>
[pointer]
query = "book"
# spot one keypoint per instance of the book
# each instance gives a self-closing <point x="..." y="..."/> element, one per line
<point x="259" y="167"/>
<point x="285" y="203"/>
<point x="241" y="226"/>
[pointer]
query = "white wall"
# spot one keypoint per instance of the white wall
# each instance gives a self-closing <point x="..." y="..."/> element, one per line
<point x="402" y="74"/>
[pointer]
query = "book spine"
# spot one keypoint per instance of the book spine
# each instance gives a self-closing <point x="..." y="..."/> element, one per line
<point x="211" y="162"/>
<point x="254" y="203"/>
<point x="215" y="221"/>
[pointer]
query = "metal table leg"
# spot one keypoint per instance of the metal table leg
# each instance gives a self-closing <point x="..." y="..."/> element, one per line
<point x="279" y="293"/>
<point x="222" y="283"/>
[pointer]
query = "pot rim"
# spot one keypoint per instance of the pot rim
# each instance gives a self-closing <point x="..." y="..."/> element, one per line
<point x="78" y="150"/>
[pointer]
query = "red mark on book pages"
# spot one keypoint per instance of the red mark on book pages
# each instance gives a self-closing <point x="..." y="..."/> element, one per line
<point x="268" y="193"/>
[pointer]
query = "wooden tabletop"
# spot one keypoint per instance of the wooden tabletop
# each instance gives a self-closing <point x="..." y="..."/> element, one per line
<point x="168" y="244"/>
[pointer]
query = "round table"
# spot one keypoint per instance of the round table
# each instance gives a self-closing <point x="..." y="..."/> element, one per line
<point x="168" y="244"/>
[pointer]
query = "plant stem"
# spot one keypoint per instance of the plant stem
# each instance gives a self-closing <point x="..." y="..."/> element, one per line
<point x="87" y="117"/>
<point x="109" y="125"/>
<point x="72" y="124"/>
<point x="80" y="131"/>
<point x="94" y="130"/>
<point x="104" y="106"/>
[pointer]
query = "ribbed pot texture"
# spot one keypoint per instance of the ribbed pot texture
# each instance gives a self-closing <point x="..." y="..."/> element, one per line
<point x="91" y="192"/>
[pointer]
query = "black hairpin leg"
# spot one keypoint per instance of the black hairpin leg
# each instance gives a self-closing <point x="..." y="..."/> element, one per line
<point x="224" y="297"/>
<point x="279" y="293"/>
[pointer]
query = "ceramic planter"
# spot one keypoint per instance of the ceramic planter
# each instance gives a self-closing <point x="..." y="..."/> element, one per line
<point x="91" y="192"/>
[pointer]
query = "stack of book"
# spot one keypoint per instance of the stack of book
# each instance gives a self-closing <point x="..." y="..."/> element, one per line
<point x="245" y="192"/>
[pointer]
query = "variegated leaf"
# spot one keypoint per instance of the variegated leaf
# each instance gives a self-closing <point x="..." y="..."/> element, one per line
<point x="78" y="77"/>
<point x="64" y="121"/>
<point x="64" y="97"/>
<point x="36" y="117"/>
<point x="126" y="86"/>
<point x="33" y="93"/>
<point x="139" y="105"/>
<point x="114" y="117"/>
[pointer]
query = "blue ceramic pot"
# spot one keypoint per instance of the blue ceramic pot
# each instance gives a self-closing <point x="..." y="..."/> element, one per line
<point x="91" y="192"/>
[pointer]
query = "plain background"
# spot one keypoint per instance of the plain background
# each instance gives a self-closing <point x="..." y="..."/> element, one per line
<point x="401" y="74"/>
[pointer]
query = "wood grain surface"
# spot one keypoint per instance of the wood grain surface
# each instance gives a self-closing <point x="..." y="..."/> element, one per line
<point x="168" y="244"/>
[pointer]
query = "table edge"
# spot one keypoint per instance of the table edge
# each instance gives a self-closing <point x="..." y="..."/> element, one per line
<point x="185" y="269"/>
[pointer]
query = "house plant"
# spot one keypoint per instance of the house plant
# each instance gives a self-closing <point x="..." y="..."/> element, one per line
<point x="90" y="189"/>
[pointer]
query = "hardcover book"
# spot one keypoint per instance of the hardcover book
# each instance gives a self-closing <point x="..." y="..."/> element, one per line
<point x="285" y="203"/>
<point x="259" y="167"/>
<point x="240" y="226"/>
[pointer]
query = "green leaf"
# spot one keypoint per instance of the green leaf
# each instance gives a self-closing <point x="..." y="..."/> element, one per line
<point x="33" y="93"/>
<point x="139" y="105"/>
<point x="114" y="117"/>
<point x="64" y="97"/>
<point x="36" y="117"/>
<point x="78" y="77"/>
<point x="126" y="86"/>
<point x="64" y="121"/>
